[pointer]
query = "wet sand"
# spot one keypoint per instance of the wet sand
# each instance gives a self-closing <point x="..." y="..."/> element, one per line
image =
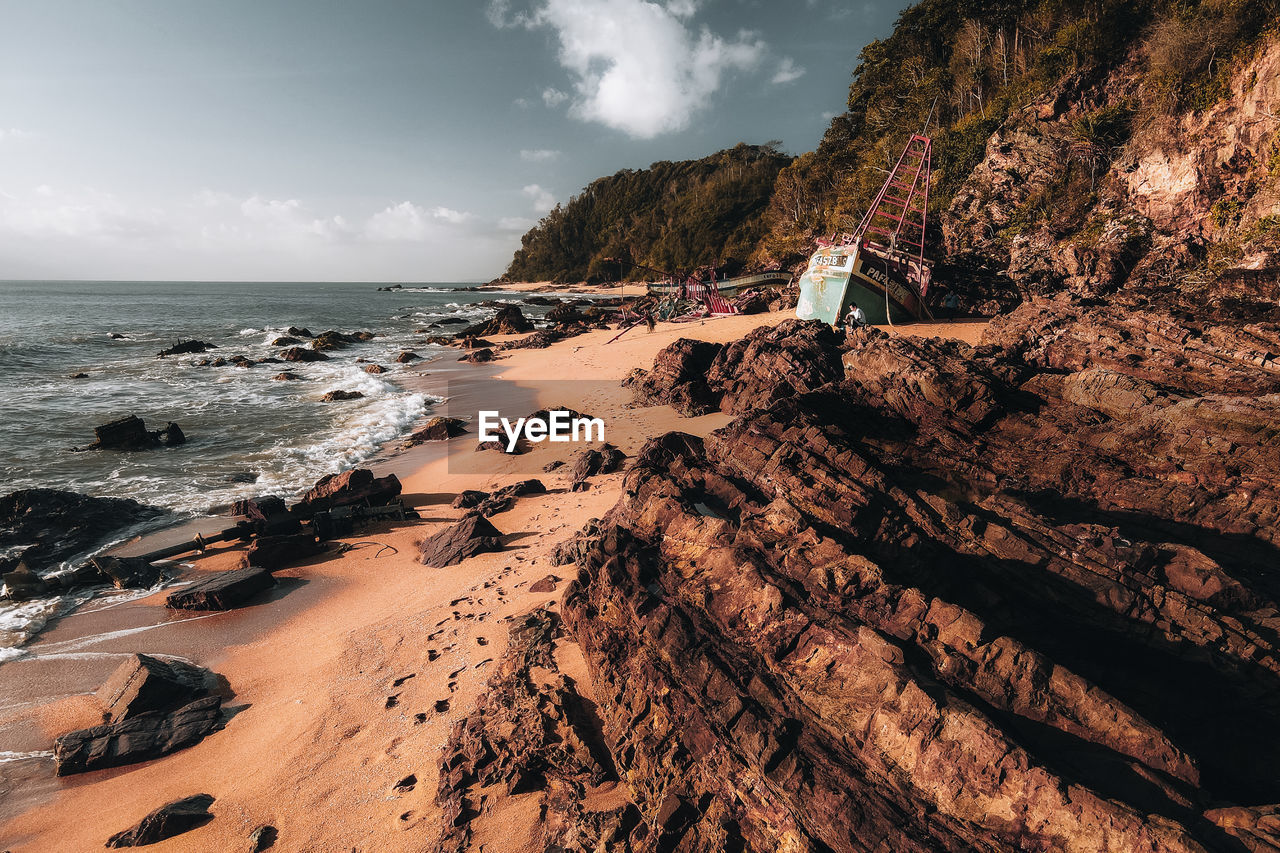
<point x="348" y="677"/>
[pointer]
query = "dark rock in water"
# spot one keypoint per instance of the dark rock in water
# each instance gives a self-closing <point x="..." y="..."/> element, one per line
<point x="538" y="299"/>
<point x="509" y="320"/>
<point x="131" y="433"/>
<point x="339" y="396"/>
<point x="471" y="342"/>
<point x="547" y="584"/>
<point x="408" y="356"/>
<point x="171" y="435"/>
<point x="186" y="347"/>
<point x="276" y="552"/>
<point x="285" y="341"/>
<point x="222" y="590"/>
<point x="437" y="429"/>
<point x="452" y="321"/>
<point x="357" y="486"/>
<point x="296" y="332"/>
<point x="287" y="377"/>
<point x="166" y="822"/>
<point x="58" y="526"/>
<point x="303" y="354"/>
<point x="78" y="376"/>
<point x="116" y="336"/>
<point x="455" y="543"/>
<point x="143" y="685"/>
<point x="127" y="572"/>
<point x="263" y="838"/>
<point x="268" y="360"/>
<point x="243" y="477"/>
<point x="259" y="509"/>
<point x="22" y="584"/>
<point x="139" y="738"/>
<point x="478" y="357"/>
<point x="375" y="369"/>
<point x="337" y="340"/>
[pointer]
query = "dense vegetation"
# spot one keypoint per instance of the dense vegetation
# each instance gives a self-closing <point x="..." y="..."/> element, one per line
<point x="964" y="66"/>
<point x="670" y="217"/>
<point x="961" y="69"/>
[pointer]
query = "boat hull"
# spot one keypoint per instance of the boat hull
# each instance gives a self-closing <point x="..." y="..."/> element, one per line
<point x="841" y="276"/>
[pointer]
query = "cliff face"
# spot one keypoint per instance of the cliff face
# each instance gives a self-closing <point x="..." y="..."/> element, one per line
<point x="1188" y="202"/>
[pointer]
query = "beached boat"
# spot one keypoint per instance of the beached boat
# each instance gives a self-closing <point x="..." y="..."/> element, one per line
<point x="881" y="266"/>
<point x="727" y="287"/>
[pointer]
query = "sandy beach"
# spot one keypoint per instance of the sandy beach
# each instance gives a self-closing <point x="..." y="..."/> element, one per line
<point x="346" y="680"/>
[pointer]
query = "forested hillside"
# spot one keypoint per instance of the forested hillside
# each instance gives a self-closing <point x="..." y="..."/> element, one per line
<point x="1108" y="69"/>
<point x="671" y="216"/>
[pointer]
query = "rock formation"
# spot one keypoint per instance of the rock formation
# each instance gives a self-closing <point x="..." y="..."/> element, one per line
<point x="509" y="320"/>
<point x="455" y="543"/>
<point x="222" y="590"/>
<point x="165" y="822"/>
<point x="1002" y="598"/>
<point x="131" y="433"/>
<point x="139" y="738"/>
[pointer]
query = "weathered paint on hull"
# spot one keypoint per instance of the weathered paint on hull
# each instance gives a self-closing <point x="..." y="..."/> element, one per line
<point x="839" y="277"/>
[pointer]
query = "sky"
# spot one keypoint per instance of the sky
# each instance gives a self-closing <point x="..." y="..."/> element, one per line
<point x="379" y="140"/>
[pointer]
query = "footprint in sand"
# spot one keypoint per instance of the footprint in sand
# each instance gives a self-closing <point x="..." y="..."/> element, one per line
<point x="442" y="705"/>
<point x="481" y="641"/>
<point x="419" y="719"/>
<point x="456" y="673"/>
<point x="406" y="784"/>
<point x="483" y="663"/>
<point x="402" y="679"/>
<point x="458" y="601"/>
<point x="432" y="654"/>
<point x="393" y="700"/>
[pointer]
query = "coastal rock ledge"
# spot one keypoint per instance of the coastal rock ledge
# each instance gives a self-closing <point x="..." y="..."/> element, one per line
<point x="1006" y="598"/>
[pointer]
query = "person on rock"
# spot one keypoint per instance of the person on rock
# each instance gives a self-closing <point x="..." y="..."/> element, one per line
<point x="855" y="319"/>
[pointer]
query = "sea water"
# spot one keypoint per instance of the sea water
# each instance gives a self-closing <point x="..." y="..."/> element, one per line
<point x="248" y="434"/>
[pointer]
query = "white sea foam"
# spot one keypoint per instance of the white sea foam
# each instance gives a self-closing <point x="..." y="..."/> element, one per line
<point x="8" y="757"/>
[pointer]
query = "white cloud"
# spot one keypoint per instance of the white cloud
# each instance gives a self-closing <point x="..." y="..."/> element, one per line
<point x="553" y="97"/>
<point x="408" y="222"/>
<point x="638" y="66"/>
<point x="82" y="213"/>
<point x="538" y="155"/>
<point x="13" y="133"/>
<point x="542" y="199"/>
<point x="519" y="224"/>
<point x="788" y="72"/>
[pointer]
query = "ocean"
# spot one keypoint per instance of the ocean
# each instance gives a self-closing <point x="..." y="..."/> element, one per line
<point x="248" y="434"/>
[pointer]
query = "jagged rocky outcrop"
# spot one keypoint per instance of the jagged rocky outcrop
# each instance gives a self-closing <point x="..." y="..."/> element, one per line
<point x="531" y="732"/>
<point x="1001" y="598"/>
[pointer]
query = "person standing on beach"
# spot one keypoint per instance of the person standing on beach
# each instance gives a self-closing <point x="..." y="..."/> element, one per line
<point x="649" y="321"/>
<point x="951" y="304"/>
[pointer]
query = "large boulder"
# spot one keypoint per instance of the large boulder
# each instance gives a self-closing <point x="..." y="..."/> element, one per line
<point x="455" y="543"/>
<point x="222" y="590"/>
<point x="276" y="552"/>
<point x="509" y="320"/>
<point x="437" y="429"/>
<point x="140" y="738"/>
<point x="350" y="488"/>
<point x="127" y="572"/>
<point x="678" y="378"/>
<point x="143" y="684"/>
<point x="165" y="822"/>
